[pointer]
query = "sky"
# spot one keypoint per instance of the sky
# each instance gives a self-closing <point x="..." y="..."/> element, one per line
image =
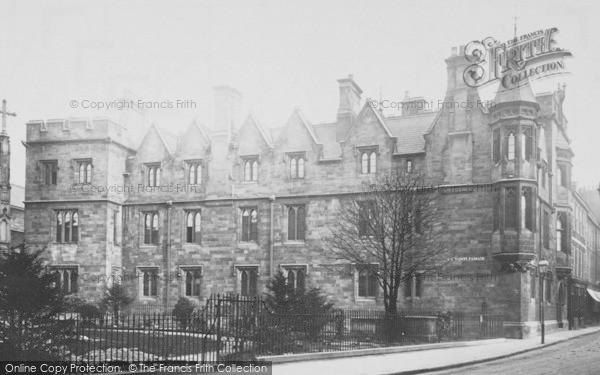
<point x="280" y="55"/>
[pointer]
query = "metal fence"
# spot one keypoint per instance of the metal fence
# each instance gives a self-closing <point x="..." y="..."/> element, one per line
<point x="231" y="327"/>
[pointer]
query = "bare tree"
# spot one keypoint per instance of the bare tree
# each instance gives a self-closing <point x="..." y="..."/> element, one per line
<point x="393" y="227"/>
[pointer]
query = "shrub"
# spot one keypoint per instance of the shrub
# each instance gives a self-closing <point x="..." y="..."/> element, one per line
<point x="183" y="312"/>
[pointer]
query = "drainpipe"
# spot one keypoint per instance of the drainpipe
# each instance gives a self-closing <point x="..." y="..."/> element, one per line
<point x="272" y="199"/>
<point x="168" y="271"/>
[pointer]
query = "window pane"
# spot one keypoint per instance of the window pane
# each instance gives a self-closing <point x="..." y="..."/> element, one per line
<point x="247" y="171"/>
<point x="365" y="163"/>
<point x="150" y="176"/>
<point x="190" y="228"/>
<point x="59" y="226"/>
<point x="255" y="171"/>
<point x="196" y="285"/>
<point x="245" y="225"/>
<point x="300" y="280"/>
<point x="146" y="289"/>
<point x="291" y="280"/>
<point x="254" y="226"/>
<point x="81" y="173"/>
<point x="372" y="284"/>
<point x="373" y="163"/>
<point x="88" y="174"/>
<point x="75" y="228"/>
<point x="68" y="227"/>
<point x="511" y="146"/>
<point x="188" y="283"/>
<point x="157" y="177"/>
<point x="253" y="287"/>
<point x="197" y="228"/>
<point x="362" y="283"/>
<point x="301" y="168"/>
<point x="147" y="228"/>
<point x="74" y="285"/>
<point x="244" y="283"/>
<point x="292" y="223"/>
<point x="510" y="210"/>
<point x="496" y="146"/>
<point x="300" y="224"/>
<point x="293" y="168"/>
<point x="154" y="283"/>
<point x="192" y="173"/>
<point x="155" y="229"/>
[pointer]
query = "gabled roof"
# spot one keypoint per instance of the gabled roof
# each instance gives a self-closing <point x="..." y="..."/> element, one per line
<point x="196" y="124"/>
<point x="368" y="107"/>
<point x="410" y="131"/>
<point x="168" y="139"/>
<point x="251" y="120"/>
<point x="521" y="93"/>
<point x="326" y="134"/>
<point x="306" y="124"/>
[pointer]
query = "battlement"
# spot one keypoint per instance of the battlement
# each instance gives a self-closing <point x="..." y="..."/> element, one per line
<point x="75" y="129"/>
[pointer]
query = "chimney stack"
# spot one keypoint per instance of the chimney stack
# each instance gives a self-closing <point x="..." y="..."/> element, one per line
<point x="349" y="105"/>
<point x="228" y="107"/>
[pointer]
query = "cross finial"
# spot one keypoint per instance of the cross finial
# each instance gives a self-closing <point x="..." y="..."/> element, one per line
<point x="5" y="113"/>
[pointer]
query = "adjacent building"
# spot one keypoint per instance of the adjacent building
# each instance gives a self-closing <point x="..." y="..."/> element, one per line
<point x="223" y="206"/>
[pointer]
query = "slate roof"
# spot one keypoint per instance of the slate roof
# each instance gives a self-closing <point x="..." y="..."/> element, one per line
<point x="326" y="133"/>
<point x="410" y="130"/>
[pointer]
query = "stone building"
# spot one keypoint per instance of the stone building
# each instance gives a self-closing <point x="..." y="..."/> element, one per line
<point x="222" y="207"/>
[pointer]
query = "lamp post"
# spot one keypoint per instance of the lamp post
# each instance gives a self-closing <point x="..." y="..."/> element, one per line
<point x="542" y="266"/>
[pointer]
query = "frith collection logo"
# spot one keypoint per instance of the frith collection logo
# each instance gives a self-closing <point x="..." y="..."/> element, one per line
<point x="534" y="55"/>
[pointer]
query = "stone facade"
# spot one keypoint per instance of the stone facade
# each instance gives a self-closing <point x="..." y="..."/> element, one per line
<point x="133" y="214"/>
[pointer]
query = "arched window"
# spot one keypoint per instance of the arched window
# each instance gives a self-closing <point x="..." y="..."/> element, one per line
<point x="192" y="175"/>
<point x="296" y="223"/>
<point x="75" y="227"/>
<point x="193" y="227"/>
<point x="301" y="167"/>
<point x="254" y="170"/>
<point x="365" y="163"/>
<point x="511" y="146"/>
<point x="527" y="209"/>
<point x="248" y="281"/>
<point x="157" y="173"/>
<point x="373" y="163"/>
<point x="193" y="278"/>
<point x="293" y="168"/>
<point x="249" y="225"/>
<point x="59" y="226"/>
<point x="526" y="145"/>
<point x="67" y="227"/>
<point x="247" y="171"/>
<point x="151" y="229"/>
<point x="88" y="173"/>
<point x="559" y="176"/>
<point x="81" y="173"/>
<point x="151" y="176"/>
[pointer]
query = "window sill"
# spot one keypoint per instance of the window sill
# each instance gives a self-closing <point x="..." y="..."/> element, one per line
<point x="148" y="246"/>
<point x="148" y="298"/>
<point x="249" y="182"/>
<point x="294" y="242"/>
<point x="365" y="299"/>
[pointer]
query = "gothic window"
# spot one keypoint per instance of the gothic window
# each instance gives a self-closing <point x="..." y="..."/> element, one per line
<point x="153" y="178"/>
<point x="496" y="146"/>
<point x="510" y="208"/>
<point x="511" y="146"/>
<point x="67" y="226"/>
<point x="149" y="282"/>
<point x="66" y="279"/>
<point x="297" y="167"/>
<point x="249" y="224"/>
<point x="561" y="176"/>
<point x="296" y="277"/>
<point x="248" y="277"/>
<point x="151" y="228"/>
<point x="49" y="172"/>
<point x="296" y="223"/>
<point x="409" y="166"/>
<point x="193" y="281"/>
<point x="527" y="209"/>
<point x="193" y="227"/>
<point x="368" y="162"/>
<point x="251" y="169"/>
<point x="367" y="281"/>
<point x="85" y="172"/>
<point x="194" y="173"/>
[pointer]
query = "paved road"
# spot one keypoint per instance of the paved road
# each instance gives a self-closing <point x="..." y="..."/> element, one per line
<point x="579" y="356"/>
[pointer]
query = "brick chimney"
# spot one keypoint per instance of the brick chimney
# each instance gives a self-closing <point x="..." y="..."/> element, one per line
<point x="228" y="106"/>
<point x="349" y="105"/>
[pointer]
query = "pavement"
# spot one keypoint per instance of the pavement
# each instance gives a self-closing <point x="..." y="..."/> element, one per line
<point x="418" y="359"/>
